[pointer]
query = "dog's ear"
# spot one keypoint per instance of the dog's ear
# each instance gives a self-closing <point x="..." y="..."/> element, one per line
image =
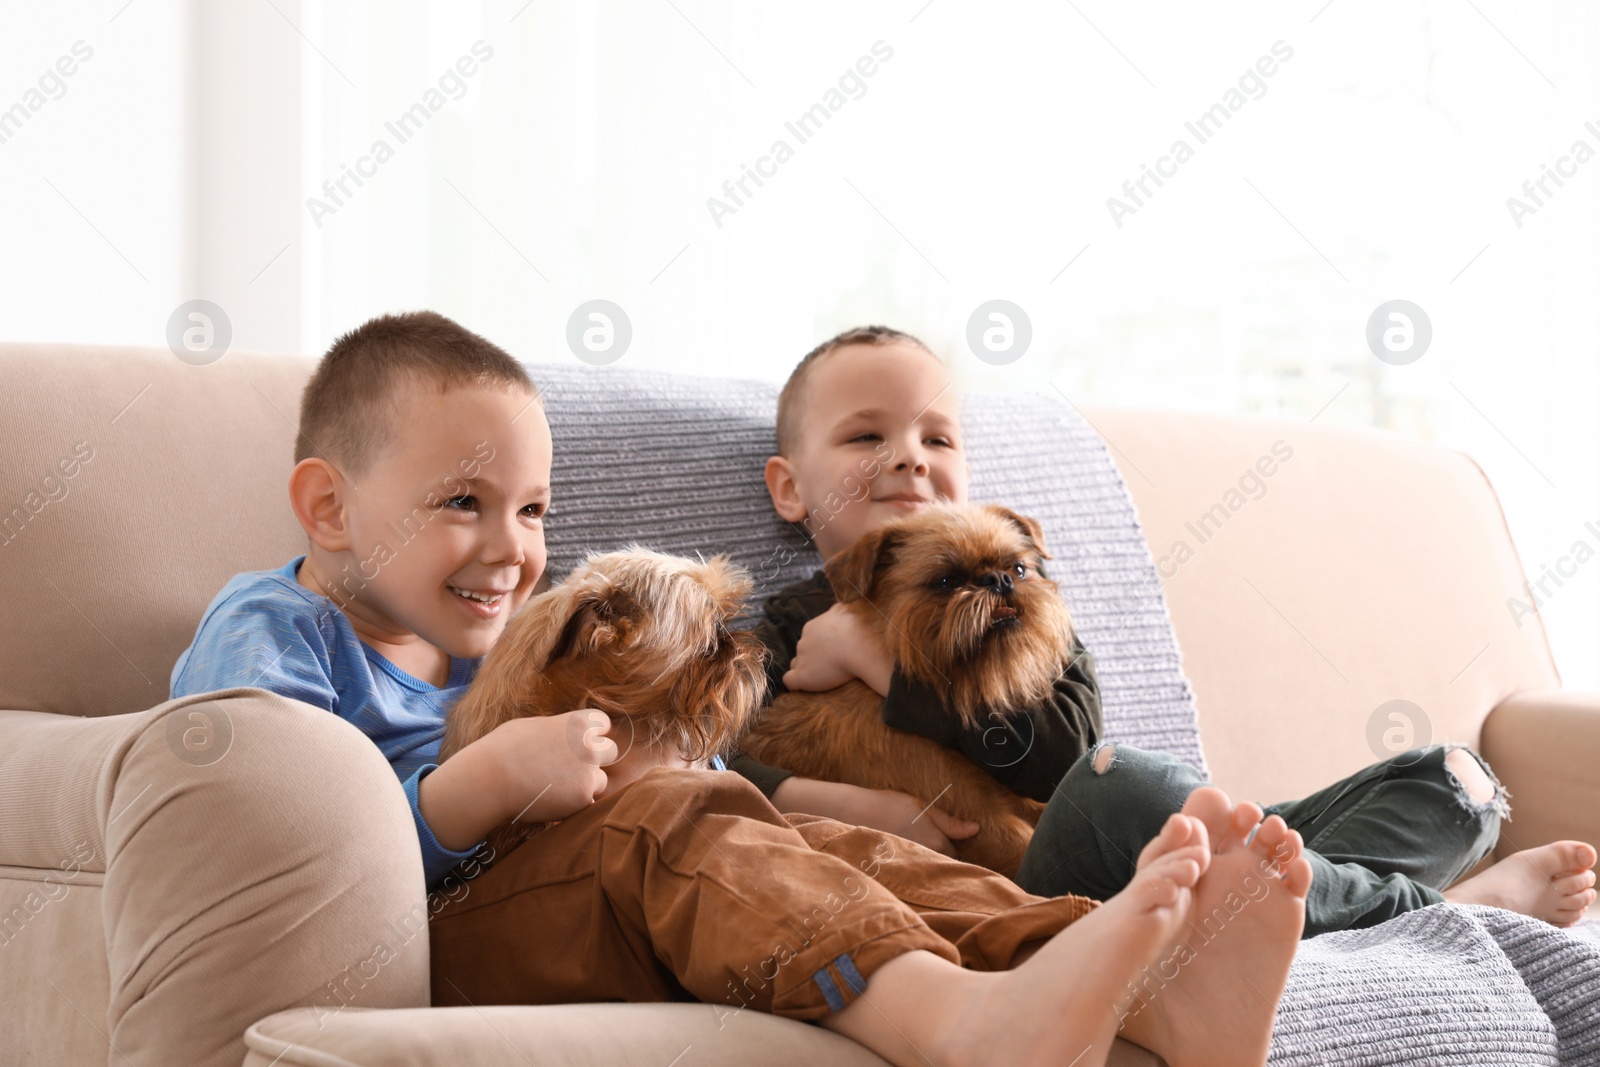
<point x="1026" y="523"/>
<point x="728" y="583"/>
<point x="548" y="627"/>
<point x="576" y="615"/>
<point x="853" y="571"/>
<point x="718" y="694"/>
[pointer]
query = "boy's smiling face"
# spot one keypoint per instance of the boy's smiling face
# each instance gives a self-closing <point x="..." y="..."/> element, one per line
<point x="455" y="501"/>
<point x="879" y="432"/>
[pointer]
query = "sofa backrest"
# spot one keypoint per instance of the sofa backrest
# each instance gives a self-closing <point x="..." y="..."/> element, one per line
<point x="1356" y="568"/>
<point x="1371" y="568"/>
<point x="134" y="486"/>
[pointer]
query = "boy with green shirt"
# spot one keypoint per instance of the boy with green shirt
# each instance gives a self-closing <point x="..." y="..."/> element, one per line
<point x="870" y="417"/>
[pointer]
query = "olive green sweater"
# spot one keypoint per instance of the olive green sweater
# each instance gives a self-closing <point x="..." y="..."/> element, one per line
<point x="1028" y="751"/>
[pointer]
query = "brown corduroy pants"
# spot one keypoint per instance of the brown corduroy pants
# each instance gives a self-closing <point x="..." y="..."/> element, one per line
<point x="690" y="885"/>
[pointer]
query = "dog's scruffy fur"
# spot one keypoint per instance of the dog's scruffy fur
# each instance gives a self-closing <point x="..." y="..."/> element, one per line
<point x="637" y="634"/>
<point x="959" y="598"/>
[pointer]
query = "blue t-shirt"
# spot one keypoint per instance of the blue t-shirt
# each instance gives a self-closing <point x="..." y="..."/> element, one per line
<point x="265" y="629"/>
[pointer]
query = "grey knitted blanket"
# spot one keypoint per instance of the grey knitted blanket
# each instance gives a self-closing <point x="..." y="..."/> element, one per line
<point x="676" y="463"/>
<point x="1447" y="986"/>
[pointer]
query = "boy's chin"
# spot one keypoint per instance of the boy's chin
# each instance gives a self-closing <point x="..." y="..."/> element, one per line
<point x="882" y="512"/>
<point x="470" y="642"/>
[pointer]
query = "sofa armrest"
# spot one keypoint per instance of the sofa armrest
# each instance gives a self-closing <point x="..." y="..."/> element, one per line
<point x="1544" y="746"/>
<point x="258" y="854"/>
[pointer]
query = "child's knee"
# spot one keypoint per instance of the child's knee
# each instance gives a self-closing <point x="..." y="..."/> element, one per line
<point x="1114" y="782"/>
<point x="1104" y="756"/>
<point x="1470" y="775"/>
<point x="1477" y="788"/>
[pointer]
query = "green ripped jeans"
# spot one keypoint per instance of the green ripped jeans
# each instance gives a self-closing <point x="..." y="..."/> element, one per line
<point x="1384" y="841"/>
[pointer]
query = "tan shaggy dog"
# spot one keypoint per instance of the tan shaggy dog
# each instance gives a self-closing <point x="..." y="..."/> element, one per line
<point x="637" y="634"/>
<point x="957" y="594"/>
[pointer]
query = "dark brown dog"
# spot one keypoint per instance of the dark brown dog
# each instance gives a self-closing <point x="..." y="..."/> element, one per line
<point x="959" y="598"/>
<point x="639" y="635"/>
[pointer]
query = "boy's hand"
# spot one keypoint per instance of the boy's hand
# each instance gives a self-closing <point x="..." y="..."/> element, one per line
<point x="835" y="647"/>
<point x="535" y="769"/>
<point x="550" y="766"/>
<point x="881" y="809"/>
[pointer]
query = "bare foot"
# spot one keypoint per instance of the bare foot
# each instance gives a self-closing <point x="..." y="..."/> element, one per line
<point x="1211" y="1002"/>
<point x="1553" y="882"/>
<point x="1062" y="1005"/>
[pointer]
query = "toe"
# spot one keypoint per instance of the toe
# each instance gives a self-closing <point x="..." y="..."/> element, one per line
<point x="1212" y="807"/>
<point x="1270" y="833"/>
<point x="1159" y="891"/>
<point x="1568" y="884"/>
<point x="1573" y="855"/>
<point x="1572" y="911"/>
<point x="1182" y="866"/>
<point x="1176" y="832"/>
<point x="1181" y="831"/>
<point x="1297" y="874"/>
<point x="1245" y="817"/>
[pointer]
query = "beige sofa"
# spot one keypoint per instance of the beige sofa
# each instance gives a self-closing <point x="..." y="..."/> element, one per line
<point x="237" y="918"/>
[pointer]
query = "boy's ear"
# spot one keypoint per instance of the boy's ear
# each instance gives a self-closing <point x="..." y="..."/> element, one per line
<point x="314" y="486"/>
<point x="781" y="488"/>
<point x="853" y="571"/>
<point x="1026" y="523"/>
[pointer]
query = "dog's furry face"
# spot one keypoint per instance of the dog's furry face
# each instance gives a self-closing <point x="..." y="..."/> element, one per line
<point x="960" y="596"/>
<point x="638" y="634"/>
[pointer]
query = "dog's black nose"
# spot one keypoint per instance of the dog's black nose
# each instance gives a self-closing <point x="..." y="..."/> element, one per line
<point x="999" y="581"/>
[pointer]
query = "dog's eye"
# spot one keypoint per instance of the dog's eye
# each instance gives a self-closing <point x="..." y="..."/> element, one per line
<point x="944" y="583"/>
<point x="1021" y="569"/>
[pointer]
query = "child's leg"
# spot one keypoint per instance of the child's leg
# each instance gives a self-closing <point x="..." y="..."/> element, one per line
<point x="1393" y="836"/>
<point x="1382" y="842"/>
<point x="1551" y="882"/>
<point x="1207" y="998"/>
<point x="1397" y="835"/>
<point x="685" y="885"/>
<point x="690" y="884"/>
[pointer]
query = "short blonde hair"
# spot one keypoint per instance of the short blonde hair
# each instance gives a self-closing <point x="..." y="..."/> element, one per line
<point x="790" y="399"/>
<point x="348" y="409"/>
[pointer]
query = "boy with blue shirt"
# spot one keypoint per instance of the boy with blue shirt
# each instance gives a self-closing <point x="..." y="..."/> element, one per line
<point x="422" y="479"/>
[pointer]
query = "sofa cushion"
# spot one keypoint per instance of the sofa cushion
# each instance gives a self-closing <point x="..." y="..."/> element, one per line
<point x="569" y="1035"/>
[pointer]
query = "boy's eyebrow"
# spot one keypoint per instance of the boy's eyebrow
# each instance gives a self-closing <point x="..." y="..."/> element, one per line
<point x="929" y="415"/>
<point x="484" y="483"/>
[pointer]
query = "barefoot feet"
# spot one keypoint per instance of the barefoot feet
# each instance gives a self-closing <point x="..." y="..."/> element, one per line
<point x="1063" y="1004"/>
<point x="1554" y="883"/>
<point x="1215" y="995"/>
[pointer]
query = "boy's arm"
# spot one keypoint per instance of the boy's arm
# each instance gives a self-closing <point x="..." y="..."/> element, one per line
<point x="1028" y="751"/>
<point x="437" y="858"/>
<point x="764" y="776"/>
